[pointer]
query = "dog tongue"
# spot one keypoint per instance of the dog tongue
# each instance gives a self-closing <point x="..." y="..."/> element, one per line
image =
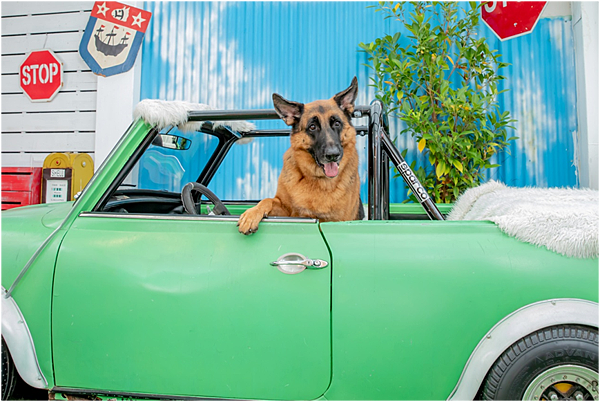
<point x="331" y="169"/>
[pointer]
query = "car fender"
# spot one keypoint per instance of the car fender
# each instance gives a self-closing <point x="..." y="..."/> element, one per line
<point x="20" y="343"/>
<point x="513" y="327"/>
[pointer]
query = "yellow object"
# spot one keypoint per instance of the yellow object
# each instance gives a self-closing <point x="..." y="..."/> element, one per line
<point x="83" y="170"/>
<point x="81" y="167"/>
<point x="57" y="160"/>
<point x="563" y="387"/>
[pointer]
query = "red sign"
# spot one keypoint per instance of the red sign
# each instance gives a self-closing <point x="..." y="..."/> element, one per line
<point x="509" y="19"/>
<point x="40" y="75"/>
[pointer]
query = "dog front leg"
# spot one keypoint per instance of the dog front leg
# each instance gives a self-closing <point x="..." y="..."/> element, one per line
<point x="248" y="222"/>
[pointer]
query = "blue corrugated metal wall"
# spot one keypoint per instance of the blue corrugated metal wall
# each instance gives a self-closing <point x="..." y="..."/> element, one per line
<point x="234" y="55"/>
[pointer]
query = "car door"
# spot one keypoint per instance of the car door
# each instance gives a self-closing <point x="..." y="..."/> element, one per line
<point x="187" y="306"/>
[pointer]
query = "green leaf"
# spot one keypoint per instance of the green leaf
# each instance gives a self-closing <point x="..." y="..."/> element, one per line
<point x="460" y="126"/>
<point x="447" y="169"/>
<point x="439" y="170"/>
<point x="458" y="165"/>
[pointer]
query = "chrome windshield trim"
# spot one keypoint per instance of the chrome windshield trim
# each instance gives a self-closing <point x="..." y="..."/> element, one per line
<point x="217" y="218"/>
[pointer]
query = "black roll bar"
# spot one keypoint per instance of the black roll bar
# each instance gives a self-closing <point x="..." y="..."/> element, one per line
<point x="220" y="115"/>
<point x="381" y="151"/>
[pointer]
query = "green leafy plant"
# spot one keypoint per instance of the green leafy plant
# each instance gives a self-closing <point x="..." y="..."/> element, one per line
<point x="442" y="81"/>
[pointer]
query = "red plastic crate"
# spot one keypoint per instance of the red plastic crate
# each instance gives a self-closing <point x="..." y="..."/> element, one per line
<point x="20" y="186"/>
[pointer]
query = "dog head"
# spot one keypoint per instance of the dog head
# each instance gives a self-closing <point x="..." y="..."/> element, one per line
<point x="322" y="128"/>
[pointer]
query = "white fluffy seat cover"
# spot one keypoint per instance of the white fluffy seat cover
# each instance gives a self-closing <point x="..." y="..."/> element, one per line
<point x="564" y="220"/>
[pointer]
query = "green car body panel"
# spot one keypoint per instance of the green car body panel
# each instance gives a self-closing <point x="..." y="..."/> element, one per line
<point x="216" y="320"/>
<point x="22" y="233"/>
<point x="186" y="306"/>
<point x="442" y="285"/>
<point x="25" y="229"/>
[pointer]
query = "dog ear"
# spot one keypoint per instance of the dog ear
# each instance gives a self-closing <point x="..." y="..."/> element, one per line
<point x="289" y="111"/>
<point x="346" y="98"/>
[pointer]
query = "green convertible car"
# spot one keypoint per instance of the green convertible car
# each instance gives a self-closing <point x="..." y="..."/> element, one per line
<point x="130" y="293"/>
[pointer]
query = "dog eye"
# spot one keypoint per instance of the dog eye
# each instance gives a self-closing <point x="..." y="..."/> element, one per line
<point x="312" y="127"/>
<point x="337" y="124"/>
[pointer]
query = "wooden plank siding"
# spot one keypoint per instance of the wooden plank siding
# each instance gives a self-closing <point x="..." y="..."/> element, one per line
<point x="31" y="131"/>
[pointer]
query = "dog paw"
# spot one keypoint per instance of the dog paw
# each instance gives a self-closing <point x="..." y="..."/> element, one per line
<point x="248" y="222"/>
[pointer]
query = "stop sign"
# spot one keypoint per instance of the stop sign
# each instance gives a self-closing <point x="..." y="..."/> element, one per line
<point x="40" y="75"/>
<point x="511" y="18"/>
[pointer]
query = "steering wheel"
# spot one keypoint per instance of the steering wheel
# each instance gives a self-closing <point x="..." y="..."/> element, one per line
<point x="190" y="206"/>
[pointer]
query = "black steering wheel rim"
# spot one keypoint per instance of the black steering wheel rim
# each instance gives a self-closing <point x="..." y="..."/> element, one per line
<point x="190" y="206"/>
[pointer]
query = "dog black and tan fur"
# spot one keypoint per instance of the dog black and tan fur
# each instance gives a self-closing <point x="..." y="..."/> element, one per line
<point x="319" y="178"/>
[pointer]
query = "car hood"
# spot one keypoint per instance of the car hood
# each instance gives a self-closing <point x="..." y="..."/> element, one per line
<point x="24" y="229"/>
<point x="56" y="213"/>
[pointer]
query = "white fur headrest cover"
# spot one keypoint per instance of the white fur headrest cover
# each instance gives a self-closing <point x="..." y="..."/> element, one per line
<point x="175" y="113"/>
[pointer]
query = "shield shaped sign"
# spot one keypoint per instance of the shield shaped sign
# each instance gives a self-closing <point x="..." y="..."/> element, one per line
<point x="113" y="37"/>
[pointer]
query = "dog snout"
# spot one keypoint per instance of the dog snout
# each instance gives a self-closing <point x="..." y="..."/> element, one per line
<point x="332" y="153"/>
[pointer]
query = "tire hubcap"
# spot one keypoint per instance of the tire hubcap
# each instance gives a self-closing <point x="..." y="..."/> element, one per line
<point x="564" y="383"/>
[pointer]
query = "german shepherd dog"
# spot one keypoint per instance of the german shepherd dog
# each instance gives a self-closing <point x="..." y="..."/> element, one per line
<point x="319" y="178"/>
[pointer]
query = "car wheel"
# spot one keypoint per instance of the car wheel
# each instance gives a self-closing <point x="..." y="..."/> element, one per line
<point x="9" y="374"/>
<point x="555" y="363"/>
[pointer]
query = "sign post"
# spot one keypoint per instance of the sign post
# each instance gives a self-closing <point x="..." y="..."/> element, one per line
<point x="40" y="75"/>
<point x="509" y="19"/>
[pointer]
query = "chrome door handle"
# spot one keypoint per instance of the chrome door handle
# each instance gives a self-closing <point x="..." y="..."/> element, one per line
<point x="294" y="263"/>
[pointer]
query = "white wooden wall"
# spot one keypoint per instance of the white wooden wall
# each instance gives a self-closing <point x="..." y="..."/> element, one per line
<point x="30" y="131"/>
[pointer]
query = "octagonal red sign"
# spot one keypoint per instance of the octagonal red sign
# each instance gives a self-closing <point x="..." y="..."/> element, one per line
<point x="509" y="19"/>
<point x="41" y="75"/>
